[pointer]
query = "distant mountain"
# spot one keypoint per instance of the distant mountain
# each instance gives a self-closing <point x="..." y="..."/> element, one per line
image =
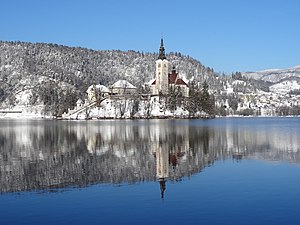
<point x="275" y="75"/>
<point x="280" y="80"/>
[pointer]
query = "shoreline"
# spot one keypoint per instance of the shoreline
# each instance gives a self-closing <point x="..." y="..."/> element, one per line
<point x="138" y="118"/>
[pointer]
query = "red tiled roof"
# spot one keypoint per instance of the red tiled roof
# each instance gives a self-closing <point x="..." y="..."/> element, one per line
<point x="180" y="82"/>
<point x="173" y="79"/>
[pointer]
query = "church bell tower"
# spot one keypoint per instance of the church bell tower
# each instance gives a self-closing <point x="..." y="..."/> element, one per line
<point x="162" y="64"/>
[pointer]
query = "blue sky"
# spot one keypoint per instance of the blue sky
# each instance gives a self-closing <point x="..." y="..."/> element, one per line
<point x="227" y="35"/>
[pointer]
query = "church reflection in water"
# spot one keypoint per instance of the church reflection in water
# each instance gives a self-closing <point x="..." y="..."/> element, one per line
<point x="162" y="167"/>
<point x="168" y="155"/>
<point x="37" y="155"/>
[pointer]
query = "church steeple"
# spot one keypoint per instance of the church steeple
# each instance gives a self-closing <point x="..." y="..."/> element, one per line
<point x="162" y="54"/>
<point x="162" y="184"/>
<point x="162" y="67"/>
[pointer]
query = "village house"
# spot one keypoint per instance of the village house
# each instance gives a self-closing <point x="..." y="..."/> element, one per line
<point x="95" y="90"/>
<point x="122" y="87"/>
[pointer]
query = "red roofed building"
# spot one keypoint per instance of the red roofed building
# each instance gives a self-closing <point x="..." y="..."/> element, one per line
<point x="164" y="80"/>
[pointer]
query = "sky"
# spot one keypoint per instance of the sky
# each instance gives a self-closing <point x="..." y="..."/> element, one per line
<point x="226" y="35"/>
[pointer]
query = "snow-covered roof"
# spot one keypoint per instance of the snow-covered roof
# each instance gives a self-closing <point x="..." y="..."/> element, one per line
<point x="151" y="82"/>
<point x="79" y="101"/>
<point x="102" y="88"/>
<point x="123" y="84"/>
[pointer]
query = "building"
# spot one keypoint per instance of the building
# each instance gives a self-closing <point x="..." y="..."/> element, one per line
<point x="165" y="80"/>
<point x="122" y="87"/>
<point x="95" y="90"/>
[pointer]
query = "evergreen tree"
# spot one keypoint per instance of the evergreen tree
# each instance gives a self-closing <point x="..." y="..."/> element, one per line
<point x="192" y="104"/>
<point x="174" y="99"/>
<point x="207" y="101"/>
<point x="200" y="100"/>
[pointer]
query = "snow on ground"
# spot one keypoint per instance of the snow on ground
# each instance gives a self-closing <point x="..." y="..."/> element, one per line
<point x="23" y="112"/>
<point x="122" y="108"/>
<point x="23" y="97"/>
<point x="285" y="86"/>
<point x="239" y="82"/>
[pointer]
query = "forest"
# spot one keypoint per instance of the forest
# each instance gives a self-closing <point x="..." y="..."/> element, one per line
<point x="56" y="76"/>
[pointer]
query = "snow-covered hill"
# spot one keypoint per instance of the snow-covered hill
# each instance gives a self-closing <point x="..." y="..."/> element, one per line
<point x="55" y="77"/>
<point x="35" y="76"/>
<point x="281" y="80"/>
<point x="274" y="75"/>
<point x="285" y="86"/>
<point x="26" y="65"/>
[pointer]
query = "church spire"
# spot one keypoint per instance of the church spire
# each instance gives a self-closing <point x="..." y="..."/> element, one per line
<point x="162" y="184"/>
<point x="162" y="54"/>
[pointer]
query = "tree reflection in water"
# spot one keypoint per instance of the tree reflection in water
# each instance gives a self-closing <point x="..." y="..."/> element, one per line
<point x="38" y="155"/>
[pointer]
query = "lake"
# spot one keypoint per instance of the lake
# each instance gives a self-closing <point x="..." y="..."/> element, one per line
<point x="220" y="171"/>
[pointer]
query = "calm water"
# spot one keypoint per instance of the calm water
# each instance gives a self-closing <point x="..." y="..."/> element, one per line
<point x="221" y="171"/>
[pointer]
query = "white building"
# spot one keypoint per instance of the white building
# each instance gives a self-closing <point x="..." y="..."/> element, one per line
<point x="122" y="87"/>
<point x="98" y="89"/>
<point x="165" y="80"/>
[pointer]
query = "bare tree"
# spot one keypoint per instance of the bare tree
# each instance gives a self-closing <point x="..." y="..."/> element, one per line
<point x="135" y="105"/>
<point x="148" y="107"/>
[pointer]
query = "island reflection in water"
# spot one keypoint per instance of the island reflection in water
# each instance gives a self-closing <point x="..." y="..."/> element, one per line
<point x="37" y="155"/>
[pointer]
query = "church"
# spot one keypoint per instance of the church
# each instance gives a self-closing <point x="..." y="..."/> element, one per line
<point x="165" y="80"/>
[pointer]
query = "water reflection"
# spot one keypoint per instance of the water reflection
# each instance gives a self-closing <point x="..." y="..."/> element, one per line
<point x="38" y="155"/>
